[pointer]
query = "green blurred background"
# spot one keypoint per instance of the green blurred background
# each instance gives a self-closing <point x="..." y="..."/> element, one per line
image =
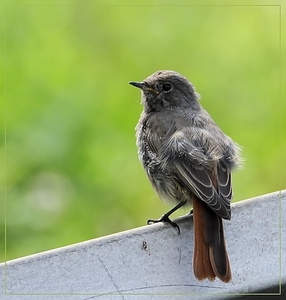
<point x="71" y="169"/>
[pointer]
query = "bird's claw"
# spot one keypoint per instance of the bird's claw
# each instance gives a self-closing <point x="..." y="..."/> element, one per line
<point x="165" y="219"/>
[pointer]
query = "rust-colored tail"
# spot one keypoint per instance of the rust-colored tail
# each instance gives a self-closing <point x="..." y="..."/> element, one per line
<point x="210" y="256"/>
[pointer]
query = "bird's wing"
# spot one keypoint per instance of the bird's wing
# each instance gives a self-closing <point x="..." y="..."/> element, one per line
<point x="211" y="185"/>
<point x="214" y="188"/>
<point x="198" y="166"/>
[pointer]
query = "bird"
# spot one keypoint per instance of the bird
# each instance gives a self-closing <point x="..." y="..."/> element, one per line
<point x="188" y="160"/>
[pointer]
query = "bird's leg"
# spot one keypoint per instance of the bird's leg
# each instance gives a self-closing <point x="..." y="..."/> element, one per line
<point x="165" y="218"/>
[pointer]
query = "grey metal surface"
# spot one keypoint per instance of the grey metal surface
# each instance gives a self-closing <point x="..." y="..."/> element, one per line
<point x="153" y="262"/>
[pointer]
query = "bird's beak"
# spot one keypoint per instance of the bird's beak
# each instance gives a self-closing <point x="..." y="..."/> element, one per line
<point x="143" y="86"/>
<point x="140" y="85"/>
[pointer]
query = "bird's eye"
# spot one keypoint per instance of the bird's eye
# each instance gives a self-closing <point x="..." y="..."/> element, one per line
<point x="166" y="87"/>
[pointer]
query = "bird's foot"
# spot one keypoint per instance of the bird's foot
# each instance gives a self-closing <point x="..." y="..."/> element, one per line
<point x="165" y="218"/>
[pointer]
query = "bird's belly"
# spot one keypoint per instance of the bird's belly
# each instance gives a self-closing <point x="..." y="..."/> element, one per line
<point x="167" y="187"/>
<point x="161" y="173"/>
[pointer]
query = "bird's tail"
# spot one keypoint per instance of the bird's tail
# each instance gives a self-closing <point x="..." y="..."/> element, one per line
<point x="210" y="256"/>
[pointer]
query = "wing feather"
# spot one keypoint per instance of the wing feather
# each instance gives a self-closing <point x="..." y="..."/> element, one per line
<point x="214" y="191"/>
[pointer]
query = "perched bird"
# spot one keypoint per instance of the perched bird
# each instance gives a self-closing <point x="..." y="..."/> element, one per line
<point x="188" y="160"/>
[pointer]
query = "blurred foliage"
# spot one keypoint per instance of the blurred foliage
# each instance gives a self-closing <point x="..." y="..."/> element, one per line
<point x="70" y="162"/>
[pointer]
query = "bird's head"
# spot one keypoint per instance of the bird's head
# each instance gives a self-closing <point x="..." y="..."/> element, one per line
<point x="167" y="90"/>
